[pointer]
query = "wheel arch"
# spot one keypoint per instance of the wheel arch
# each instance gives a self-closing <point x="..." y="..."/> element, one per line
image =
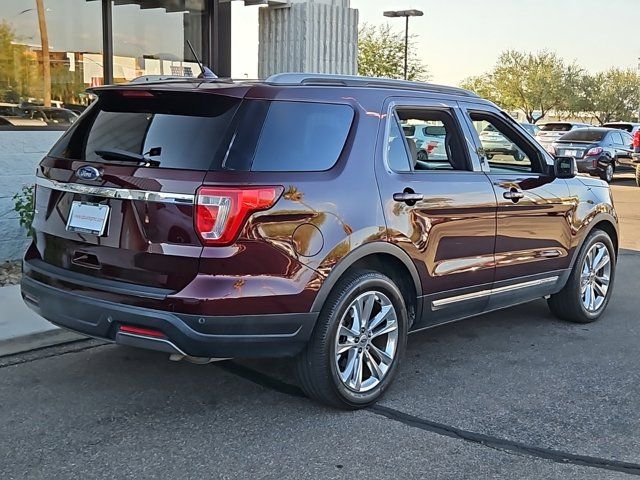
<point x="385" y="258"/>
<point x="602" y="222"/>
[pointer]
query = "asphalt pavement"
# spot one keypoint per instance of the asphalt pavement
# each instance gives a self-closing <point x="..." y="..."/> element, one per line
<point x="515" y="394"/>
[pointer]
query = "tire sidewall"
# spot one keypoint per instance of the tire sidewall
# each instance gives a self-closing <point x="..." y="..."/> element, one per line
<point x="595" y="237"/>
<point x="384" y="285"/>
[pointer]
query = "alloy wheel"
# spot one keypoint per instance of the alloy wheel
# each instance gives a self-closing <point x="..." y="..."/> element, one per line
<point x="609" y="172"/>
<point x="595" y="277"/>
<point x="366" y="341"/>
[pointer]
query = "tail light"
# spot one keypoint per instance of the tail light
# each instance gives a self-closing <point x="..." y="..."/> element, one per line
<point x="222" y="212"/>
<point x="592" y="152"/>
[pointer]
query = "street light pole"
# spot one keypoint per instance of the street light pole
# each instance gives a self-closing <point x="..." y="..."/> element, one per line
<point x="406" y="14"/>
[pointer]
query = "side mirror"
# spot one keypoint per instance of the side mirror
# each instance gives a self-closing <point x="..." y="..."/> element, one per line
<point x="565" y="167"/>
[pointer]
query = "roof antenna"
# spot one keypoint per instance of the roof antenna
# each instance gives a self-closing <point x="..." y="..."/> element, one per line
<point x="205" y="71"/>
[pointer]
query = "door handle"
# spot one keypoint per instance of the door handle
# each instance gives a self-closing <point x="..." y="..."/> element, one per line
<point x="514" y="195"/>
<point x="408" y="197"/>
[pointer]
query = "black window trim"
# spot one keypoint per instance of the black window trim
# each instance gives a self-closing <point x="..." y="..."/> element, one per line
<point x="392" y="113"/>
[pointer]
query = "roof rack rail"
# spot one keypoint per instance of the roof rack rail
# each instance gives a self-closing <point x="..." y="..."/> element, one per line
<point x="324" y="79"/>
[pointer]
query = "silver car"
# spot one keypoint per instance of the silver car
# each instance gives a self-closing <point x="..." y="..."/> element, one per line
<point x="552" y="131"/>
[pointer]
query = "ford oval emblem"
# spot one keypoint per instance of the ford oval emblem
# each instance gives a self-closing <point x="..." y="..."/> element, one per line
<point x="88" y="173"/>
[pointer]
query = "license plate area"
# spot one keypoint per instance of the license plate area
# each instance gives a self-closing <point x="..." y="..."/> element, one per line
<point x="87" y="217"/>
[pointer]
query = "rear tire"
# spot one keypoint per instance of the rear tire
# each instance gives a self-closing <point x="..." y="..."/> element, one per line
<point x="638" y="175"/>
<point x="607" y="173"/>
<point x="350" y="369"/>
<point x="581" y="299"/>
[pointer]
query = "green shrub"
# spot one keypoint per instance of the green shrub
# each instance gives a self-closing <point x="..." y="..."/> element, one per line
<point x="24" y="202"/>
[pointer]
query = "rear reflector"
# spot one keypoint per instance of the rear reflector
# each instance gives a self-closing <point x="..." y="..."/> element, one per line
<point x="147" y="332"/>
<point x="222" y="212"/>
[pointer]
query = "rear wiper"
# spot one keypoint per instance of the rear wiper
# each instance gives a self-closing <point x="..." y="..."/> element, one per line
<point x="125" y="156"/>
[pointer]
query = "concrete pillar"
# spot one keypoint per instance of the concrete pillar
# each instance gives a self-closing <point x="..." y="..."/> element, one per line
<point x="316" y="36"/>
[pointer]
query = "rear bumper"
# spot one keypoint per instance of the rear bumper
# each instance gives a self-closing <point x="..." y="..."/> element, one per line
<point x="249" y="336"/>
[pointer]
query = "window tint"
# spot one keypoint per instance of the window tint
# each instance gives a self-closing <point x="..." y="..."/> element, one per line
<point x="504" y="149"/>
<point x="436" y="144"/>
<point x="622" y="126"/>
<point x="184" y="130"/>
<point x="617" y="138"/>
<point x="583" y="135"/>
<point x="556" y="127"/>
<point x="396" y="150"/>
<point x="302" y="137"/>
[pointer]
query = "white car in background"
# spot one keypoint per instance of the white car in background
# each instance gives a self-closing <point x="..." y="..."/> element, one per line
<point x="429" y="140"/>
<point x="552" y="131"/>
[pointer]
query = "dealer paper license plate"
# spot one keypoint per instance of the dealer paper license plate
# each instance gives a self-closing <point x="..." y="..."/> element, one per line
<point x="88" y="218"/>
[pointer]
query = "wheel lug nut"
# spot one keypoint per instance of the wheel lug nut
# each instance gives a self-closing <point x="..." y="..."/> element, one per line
<point x="362" y="329"/>
<point x="360" y="349"/>
<point x="357" y="339"/>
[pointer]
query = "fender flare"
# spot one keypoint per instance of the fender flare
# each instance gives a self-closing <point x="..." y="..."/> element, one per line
<point x="359" y="253"/>
<point x="599" y="218"/>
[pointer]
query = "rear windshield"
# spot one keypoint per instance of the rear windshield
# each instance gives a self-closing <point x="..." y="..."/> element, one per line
<point x="209" y="132"/>
<point x="183" y="130"/>
<point x="556" y="127"/>
<point x="621" y="126"/>
<point x="584" y="135"/>
<point x="409" y="130"/>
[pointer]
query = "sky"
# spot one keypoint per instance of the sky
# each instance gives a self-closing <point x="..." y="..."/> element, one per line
<point x="461" y="38"/>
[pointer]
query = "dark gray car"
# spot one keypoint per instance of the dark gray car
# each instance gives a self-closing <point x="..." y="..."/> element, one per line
<point x="597" y="150"/>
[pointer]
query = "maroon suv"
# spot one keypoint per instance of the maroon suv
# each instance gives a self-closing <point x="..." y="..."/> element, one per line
<point x="292" y="217"/>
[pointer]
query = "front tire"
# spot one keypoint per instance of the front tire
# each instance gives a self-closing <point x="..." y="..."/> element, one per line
<point x="638" y="175"/>
<point x="358" y="342"/>
<point x="588" y="290"/>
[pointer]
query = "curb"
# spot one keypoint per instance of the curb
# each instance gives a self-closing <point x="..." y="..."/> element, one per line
<point x="48" y="338"/>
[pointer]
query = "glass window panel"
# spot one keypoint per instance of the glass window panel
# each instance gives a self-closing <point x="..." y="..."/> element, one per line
<point x="150" y="37"/>
<point x="73" y="29"/>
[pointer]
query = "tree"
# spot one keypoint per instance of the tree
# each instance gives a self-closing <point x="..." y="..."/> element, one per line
<point x="46" y="61"/>
<point x="381" y="54"/>
<point x="610" y="95"/>
<point x="530" y="82"/>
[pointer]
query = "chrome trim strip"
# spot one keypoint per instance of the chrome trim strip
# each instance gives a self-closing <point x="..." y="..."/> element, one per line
<point x="445" y="302"/>
<point x="171" y="345"/>
<point x="118" y="193"/>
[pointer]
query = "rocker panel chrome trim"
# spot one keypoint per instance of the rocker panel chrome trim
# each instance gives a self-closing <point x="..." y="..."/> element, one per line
<point x="445" y="302"/>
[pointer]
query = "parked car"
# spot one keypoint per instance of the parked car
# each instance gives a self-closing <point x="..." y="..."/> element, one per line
<point x="552" y="131"/>
<point x="16" y="121"/>
<point x="429" y="140"/>
<point x="531" y="128"/>
<point x="9" y="109"/>
<point x="495" y="143"/>
<point x="327" y="251"/>
<point x="629" y="127"/>
<point x="51" y="115"/>
<point x="597" y="150"/>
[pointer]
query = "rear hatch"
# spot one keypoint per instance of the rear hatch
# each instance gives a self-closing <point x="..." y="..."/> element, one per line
<point x="115" y="196"/>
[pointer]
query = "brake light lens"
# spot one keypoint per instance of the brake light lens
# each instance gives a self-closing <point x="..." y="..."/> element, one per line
<point x="136" y="94"/>
<point x="222" y="212"/>
<point x="594" y="151"/>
